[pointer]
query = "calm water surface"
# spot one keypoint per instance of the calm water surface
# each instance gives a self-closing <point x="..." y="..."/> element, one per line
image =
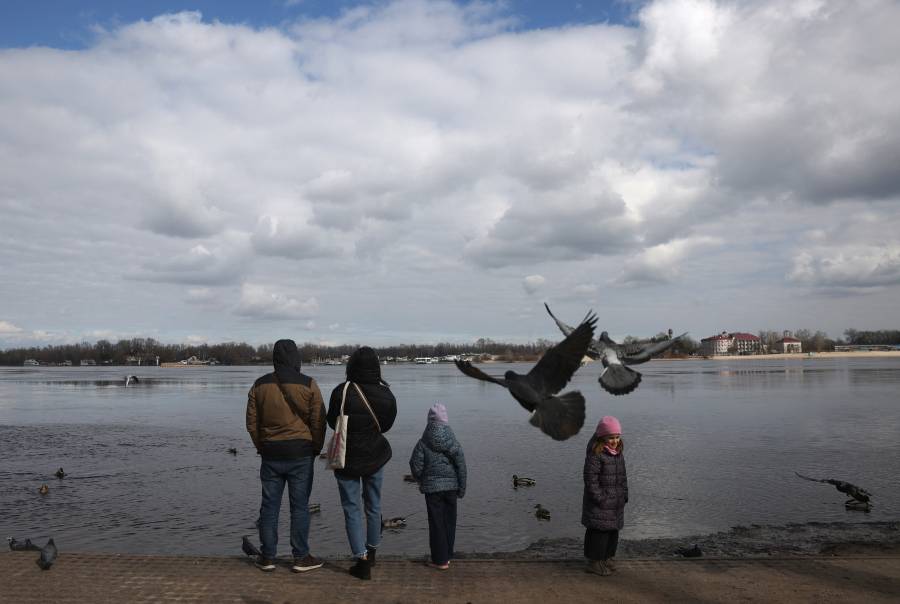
<point x="709" y="444"/>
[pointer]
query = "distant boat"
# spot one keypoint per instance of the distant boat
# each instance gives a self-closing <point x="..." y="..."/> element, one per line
<point x="30" y="363"/>
<point x="424" y="360"/>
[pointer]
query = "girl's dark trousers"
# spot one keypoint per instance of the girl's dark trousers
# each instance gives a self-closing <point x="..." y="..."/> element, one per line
<point x="600" y="545"/>
<point x="441" y="524"/>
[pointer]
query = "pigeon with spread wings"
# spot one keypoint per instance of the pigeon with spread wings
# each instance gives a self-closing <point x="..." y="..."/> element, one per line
<point x="616" y="377"/>
<point x="557" y="416"/>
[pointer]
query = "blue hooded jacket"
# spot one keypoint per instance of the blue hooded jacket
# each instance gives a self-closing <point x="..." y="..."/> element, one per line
<point x="437" y="461"/>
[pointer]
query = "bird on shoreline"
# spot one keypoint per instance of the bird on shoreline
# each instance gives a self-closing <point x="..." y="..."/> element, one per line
<point x="48" y="555"/>
<point x="25" y="546"/>
<point x="557" y="416"/>
<point x="616" y="378"/>
<point x="248" y="547"/>
<point x="859" y="497"/>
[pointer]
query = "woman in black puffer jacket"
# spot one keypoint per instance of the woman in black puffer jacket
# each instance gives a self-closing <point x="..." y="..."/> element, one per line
<point x="605" y="495"/>
<point x="359" y="482"/>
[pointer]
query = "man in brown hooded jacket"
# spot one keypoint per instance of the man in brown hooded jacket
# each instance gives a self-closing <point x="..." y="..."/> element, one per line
<point x="286" y="421"/>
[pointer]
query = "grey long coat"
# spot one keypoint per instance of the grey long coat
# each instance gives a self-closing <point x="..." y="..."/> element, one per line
<point x="605" y="490"/>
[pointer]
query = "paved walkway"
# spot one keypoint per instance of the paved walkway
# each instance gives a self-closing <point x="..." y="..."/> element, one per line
<point x="98" y="578"/>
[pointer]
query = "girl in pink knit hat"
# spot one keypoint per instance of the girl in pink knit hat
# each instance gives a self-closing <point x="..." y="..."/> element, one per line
<point x="605" y="496"/>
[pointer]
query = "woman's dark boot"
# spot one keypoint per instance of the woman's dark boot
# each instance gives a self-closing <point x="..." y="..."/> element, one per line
<point x="361" y="570"/>
<point x="370" y="555"/>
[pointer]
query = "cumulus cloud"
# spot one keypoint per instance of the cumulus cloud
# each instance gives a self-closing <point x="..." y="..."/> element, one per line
<point x="851" y="267"/>
<point x="8" y="329"/>
<point x="532" y="283"/>
<point x="661" y="263"/>
<point x="260" y="302"/>
<point x="438" y="144"/>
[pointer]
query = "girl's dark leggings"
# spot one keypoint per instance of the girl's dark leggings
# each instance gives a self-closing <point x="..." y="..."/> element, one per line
<point x="600" y="545"/>
<point x="441" y="525"/>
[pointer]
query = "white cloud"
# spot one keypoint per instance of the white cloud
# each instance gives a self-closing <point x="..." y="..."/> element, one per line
<point x="423" y="149"/>
<point x="260" y="302"/>
<point x="8" y="329"/>
<point x="852" y="267"/>
<point x="532" y="283"/>
<point x="662" y="263"/>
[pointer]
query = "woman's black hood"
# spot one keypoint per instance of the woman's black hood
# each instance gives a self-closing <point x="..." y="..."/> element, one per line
<point x="364" y="367"/>
<point x="286" y="359"/>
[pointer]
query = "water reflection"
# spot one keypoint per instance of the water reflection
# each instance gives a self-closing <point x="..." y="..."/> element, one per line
<point x="708" y="446"/>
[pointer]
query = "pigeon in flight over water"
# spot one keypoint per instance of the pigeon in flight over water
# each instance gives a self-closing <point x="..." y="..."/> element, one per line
<point x="859" y="497"/>
<point x="557" y="416"/>
<point x="48" y="555"/>
<point x="616" y="377"/>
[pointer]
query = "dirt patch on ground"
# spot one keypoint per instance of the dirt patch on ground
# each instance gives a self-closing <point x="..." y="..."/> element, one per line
<point x="810" y="539"/>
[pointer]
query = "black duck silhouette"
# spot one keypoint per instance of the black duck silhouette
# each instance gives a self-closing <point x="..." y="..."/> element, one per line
<point x="557" y="416"/>
<point x="616" y="377"/>
<point x="60" y="473"/>
<point x="689" y="552"/>
<point x="860" y="499"/>
<point x="232" y="450"/>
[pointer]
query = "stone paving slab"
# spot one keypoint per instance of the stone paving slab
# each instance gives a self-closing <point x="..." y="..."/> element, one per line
<point x="102" y="578"/>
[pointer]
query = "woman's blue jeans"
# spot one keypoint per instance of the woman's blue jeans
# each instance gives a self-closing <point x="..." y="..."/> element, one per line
<point x="362" y="532"/>
<point x="298" y="474"/>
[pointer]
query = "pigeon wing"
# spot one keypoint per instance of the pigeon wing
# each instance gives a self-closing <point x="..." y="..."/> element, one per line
<point x="650" y="350"/>
<point x="473" y="372"/>
<point x="560" y="362"/>
<point x="592" y="350"/>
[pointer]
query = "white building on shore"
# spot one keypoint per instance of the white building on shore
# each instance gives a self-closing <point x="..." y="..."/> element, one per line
<point x="730" y="343"/>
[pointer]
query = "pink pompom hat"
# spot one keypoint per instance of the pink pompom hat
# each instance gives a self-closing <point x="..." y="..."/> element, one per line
<point x="608" y="425"/>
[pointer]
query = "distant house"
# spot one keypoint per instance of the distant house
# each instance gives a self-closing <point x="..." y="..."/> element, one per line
<point x="788" y="344"/>
<point x="714" y="345"/>
<point x="728" y="343"/>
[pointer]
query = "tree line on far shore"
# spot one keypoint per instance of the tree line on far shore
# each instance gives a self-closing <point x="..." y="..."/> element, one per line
<point x="146" y="350"/>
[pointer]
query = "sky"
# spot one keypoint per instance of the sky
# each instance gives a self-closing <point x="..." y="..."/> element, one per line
<point x="418" y="171"/>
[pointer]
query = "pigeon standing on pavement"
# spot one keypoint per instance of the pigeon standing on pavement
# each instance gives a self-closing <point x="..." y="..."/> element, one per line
<point x="557" y="416"/>
<point x="249" y="548"/>
<point x="616" y="377"/>
<point x="48" y="555"/>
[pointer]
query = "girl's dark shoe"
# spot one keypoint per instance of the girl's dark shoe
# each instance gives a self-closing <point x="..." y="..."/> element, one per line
<point x="370" y="555"/>
<point x="361" y="570"/>
<point x="598" y="568"/>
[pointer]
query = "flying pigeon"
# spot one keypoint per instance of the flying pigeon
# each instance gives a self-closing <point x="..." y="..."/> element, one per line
<point x="616" y="378"/>
<point x="557" y="416"/>
<point x="859" y="497"/>
<point x="249" y="548"/>
<point x="15" y="546"/>
<point x="48" y="555"/>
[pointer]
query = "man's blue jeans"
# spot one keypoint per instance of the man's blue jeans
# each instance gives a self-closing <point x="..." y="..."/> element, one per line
<point x="362" y="532"/>
<point x="298" y="474"/>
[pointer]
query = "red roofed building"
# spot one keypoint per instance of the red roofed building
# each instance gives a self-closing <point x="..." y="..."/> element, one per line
<point x="788" y="344"/>
<point x="731" y="343"/>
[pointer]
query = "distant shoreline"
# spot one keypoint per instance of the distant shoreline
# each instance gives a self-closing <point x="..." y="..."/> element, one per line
<point x="800" y="355"/>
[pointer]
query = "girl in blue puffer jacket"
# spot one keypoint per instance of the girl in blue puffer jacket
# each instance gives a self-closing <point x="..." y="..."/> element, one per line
<point x="439" y="466"/>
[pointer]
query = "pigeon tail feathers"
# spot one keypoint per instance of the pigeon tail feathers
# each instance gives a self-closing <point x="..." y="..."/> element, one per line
<point x="619" y="379"/>
<point x="560" y="417"/>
